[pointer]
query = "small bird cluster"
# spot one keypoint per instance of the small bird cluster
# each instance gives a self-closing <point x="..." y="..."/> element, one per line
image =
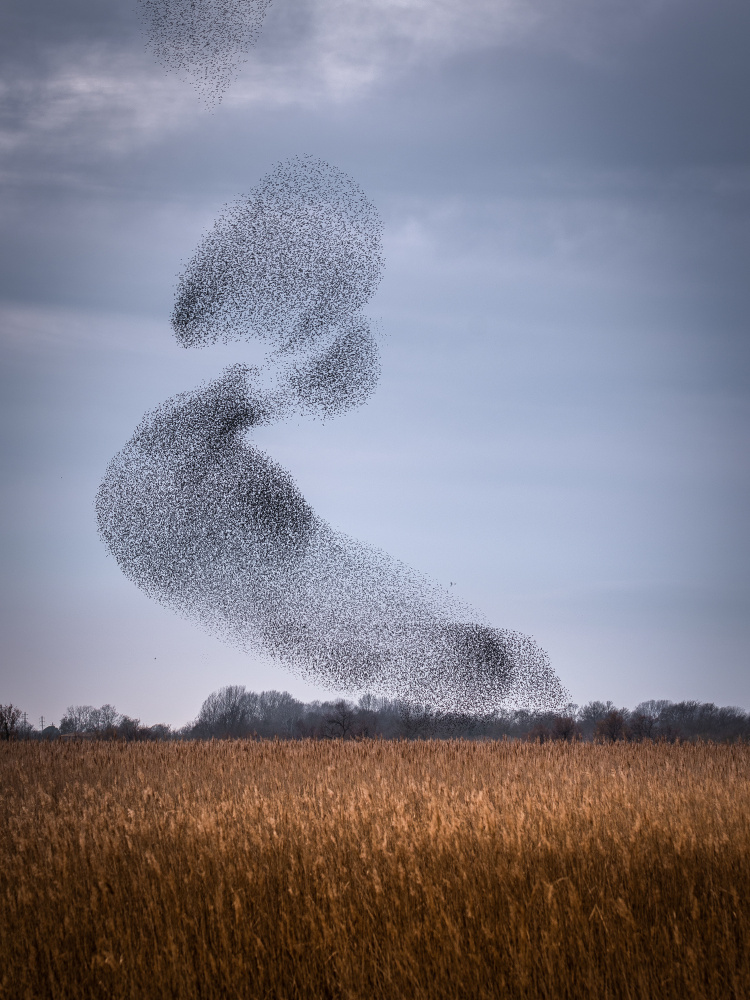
<point x="204" y="40"/>
<point x="207" y="524"/>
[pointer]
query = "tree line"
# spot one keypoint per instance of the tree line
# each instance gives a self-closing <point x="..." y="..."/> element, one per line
<point x="233" y="712"/>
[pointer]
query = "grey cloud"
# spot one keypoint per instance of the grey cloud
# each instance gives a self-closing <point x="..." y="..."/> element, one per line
<point x="667" y="74"/>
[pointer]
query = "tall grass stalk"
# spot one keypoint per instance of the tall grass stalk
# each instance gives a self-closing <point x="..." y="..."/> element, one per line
<point x="374" y="870"/>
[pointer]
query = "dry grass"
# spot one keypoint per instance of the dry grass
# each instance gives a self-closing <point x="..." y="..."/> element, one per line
<point x="374" y="870"/>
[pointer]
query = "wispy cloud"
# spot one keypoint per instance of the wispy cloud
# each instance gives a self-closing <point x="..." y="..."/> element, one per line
<point x="106" y="91"/>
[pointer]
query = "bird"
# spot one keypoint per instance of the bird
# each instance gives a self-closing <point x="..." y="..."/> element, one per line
<point x="208" y="524"/>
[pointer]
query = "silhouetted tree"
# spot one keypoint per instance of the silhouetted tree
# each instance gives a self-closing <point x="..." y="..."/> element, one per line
<point x="235" y="712"/>
<point x="565" y="728"/>
<point x="731" y="723"/>
<point x="641" y="727"/>
<point x="280" y="714"/>
<point x="370" y="708"/>
<point x="591" y="715"/>
<point x="228" y="712"/>
<point x="341" y="720"/>
<point x="10" y="716"/>
<point x="129" y="729"/>
<point x="87" y="719"/>
<point x="417" y="722"/>
<point x="612" y="727"/>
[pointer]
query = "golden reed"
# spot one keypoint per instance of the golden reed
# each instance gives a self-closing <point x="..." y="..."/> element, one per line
<point x="374" y="870"/>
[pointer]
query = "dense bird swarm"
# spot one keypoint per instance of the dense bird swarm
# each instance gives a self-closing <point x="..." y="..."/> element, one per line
<point x="290" y="263"/>
<point x="371" y="870"/>
<point x="204" y="40"/>
<point x="206" y="523"/>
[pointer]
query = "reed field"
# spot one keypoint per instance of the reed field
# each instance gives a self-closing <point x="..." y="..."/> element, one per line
<point x="371" y="869"/>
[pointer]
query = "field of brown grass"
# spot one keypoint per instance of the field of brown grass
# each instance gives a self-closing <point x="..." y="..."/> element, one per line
<point x="374" y="870"/>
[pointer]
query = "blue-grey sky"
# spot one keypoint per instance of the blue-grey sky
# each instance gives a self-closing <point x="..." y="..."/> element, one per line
<point x="562" y="422"/>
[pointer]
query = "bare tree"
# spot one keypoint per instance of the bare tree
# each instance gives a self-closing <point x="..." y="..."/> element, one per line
<point x="641" y="727"/>
<point x="9" y="719"/>
<point x="76" y="718"/>
<point x="105" y="718"/>
<point x="591" y="715"/>
<point x="370" y="709"/>
<point x="340" y="720"/>
<point x="88" y="719"/>
<point x="229" y="712"/>
<point x="612" y="727"/>
<point x="128" y="729"/>
<point x="281" y="714"/>
<point x="565" y="728"/>
<point x="417" y="721"/>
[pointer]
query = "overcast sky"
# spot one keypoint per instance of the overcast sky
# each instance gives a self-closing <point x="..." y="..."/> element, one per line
<point x="561" y="427"/>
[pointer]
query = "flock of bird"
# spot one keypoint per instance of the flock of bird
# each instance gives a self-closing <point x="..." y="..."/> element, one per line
<point x="212" y="527"/>
<point x="205" y="41"/>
